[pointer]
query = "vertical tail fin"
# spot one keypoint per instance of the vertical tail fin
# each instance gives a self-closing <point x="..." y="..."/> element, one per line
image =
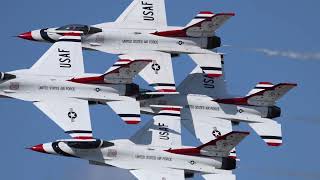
<point x="260" y="87"/>
<point x="206" y="23"/>
<point x="122" y="72"/>
<point x="264" y="94"/>
<point x="219" y="147"/>
<point x="203" y="25"/>
<point x="269" y="95"/>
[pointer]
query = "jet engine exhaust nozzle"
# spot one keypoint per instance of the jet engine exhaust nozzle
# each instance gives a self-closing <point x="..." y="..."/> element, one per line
<point x="274" y="112"/>
<point x="229" y="164"/>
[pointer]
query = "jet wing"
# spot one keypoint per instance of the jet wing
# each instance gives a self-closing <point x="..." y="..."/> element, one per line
<point x="159" y="174"/>
<point x="148" y="14"/>
<point x="64" y="58"/>
<point x="72" y="115"/>
<point x="163" y="131"/>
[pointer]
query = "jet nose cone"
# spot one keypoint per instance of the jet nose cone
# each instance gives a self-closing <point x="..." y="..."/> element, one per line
<point x="27" y="36"/>
<point x="38" y="148"/>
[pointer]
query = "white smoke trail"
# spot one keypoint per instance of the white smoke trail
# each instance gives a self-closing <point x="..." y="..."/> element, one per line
<point x="289" y="54"/>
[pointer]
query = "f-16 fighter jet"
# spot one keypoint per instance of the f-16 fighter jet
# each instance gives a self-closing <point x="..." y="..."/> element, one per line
<point x="163" y="158"/>
<point x="141" y="32"/>
<point x="209" y="111"/>
<point x="58" y="86"/>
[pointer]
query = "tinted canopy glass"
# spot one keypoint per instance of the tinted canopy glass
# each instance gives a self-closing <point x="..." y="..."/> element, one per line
<point x="6" y="76"/>
<point x="79" y="27"/>
<point x="89" y="144"/>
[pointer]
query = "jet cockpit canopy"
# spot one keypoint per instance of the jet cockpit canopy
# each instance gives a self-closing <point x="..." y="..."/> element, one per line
<point x="79" y="27"/>
<point x="6" y="76"/>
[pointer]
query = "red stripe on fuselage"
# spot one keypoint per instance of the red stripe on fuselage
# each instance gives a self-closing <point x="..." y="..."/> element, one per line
<point x="89" y="80"/>
<point x="83" y="137"/>
<point x="133" y="122"/>
<point x="170" y="109"/>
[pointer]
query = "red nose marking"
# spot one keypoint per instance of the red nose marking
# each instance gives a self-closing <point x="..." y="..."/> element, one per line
<point x="27" y="36"/>
<point x="38" y="148"/>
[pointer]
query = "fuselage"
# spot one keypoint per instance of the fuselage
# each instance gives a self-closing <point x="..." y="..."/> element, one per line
<point x="111" y="38"/>
<point x="127" y="155"/>
<point x="34" y="87"/>
<point x="205" y="105"/>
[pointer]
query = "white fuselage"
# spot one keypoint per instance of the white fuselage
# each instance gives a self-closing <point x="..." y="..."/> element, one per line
<point x="126" y="155"/>
<point x="117" y="41"/>
<point x="120" y="40"/>
<point x="205" y="105"/>
<point x="32" y="87"/>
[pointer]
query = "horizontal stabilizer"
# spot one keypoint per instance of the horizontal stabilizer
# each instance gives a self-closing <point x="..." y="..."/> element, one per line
<point x="270" y="132"/>
<point x="129" y="111"/>
<point x="211" y="63"/>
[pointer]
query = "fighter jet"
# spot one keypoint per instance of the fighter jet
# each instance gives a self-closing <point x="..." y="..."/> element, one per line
<point x="209" y="110"/>
<point x="141" y="32"/>
<point x="58" y="86"/>
<point x="163" y="158"/>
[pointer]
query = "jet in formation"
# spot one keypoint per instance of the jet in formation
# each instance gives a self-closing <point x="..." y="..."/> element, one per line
<point x="141" y="32"/>
<point x="58" y="86"/>
<point x="163" y="157"/>
<point x="209" y="111"/>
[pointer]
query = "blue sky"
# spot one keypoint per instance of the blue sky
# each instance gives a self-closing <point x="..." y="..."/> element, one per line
<point x="278" y="25"/>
